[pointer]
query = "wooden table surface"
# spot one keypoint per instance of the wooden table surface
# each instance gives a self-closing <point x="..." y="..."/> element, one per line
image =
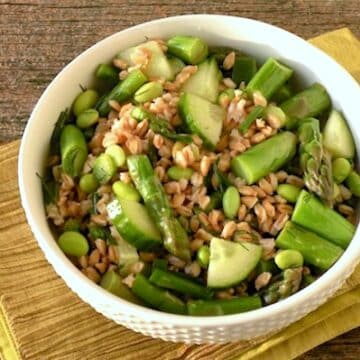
<point x="37" y="38"/>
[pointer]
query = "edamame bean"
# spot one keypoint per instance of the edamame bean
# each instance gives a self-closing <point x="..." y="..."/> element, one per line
<point x="148" y="91"/>
<point x="125" y="191"/>
<point x="88" y="183"/>
<point x="231" y="202"/>
<point x="87" y="118"/>
<point x="73" y="243"/>
<point x="104" y="168"/>
<point x="341" y="169"/>
<point x="353" y="183"/>
<point x="177" y="173"/>
<point x="84" y="101"/>
<point x="117" y="153"/>
<point x="289" y="192"/>
<point x="286" y="259"/>
<point x="73" y="150"/>
<point x="203" y="256"/>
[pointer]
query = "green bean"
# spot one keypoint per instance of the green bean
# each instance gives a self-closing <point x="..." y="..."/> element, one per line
<point x="104" y="168"/>
<point x="87" y="118"/>
<point x="286" y="259"/>
<point x="73" y="243"/>
<point x="231" y="202"/>
<point x="353" y="183"/>
<point x="203" y="256"/>
<point x="125" y="191"/>
<point x="84" y="101"/>
<point x="341" y="169"/>
<point x="148" y="92"/>
<point x="72" y="225"/>
<point x="73" y="150"/>
<point x="177" y="173"/>
<point x="117" y="153"/>
<point x="289" y="192"/>
<point x="88" y="183"/>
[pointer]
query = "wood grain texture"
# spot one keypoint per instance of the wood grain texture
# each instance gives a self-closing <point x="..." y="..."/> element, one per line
<point x="37" y="38"/>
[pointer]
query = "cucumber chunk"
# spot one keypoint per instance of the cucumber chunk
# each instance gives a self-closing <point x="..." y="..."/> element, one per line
<point x="337" y="136"/>
<point x="202" y="117"/>
<point x="158" y="66"/>
<point x="205" y="82"/>
<point x="134" y="224"/>
<point x="129" y="254"/>
<point x="230" y="262"/>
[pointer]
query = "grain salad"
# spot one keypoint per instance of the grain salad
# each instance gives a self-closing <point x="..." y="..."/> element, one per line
<point x="195" y="180"/>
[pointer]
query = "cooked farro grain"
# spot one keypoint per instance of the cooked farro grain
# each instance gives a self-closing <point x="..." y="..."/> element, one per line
<point x="229" y="61"/>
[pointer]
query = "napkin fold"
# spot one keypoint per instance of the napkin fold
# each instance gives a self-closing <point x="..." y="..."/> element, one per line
<point x="79" y="332"/>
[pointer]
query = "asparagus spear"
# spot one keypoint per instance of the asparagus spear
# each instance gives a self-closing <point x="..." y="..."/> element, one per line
<point x="313" y="215"/>
<point x="155" y="198"/>
<point x="170" y="280"/>
<point x="112" y="281"/>
<point x="108" y="73"/>
<point x="122" y="91"/>
<point x="223" y="307"/>
<point x="315" y="161"/>
<point x="190" y="49"/>
<point x="309" y="102"/>
<point x="156" y="297"/>
<point x="73" y="150"/>
<point x="269" y="78"/>
<point x="159" y="125"/>
<point x="264" y="158"/>
<point x="282" y="94"/>
<point x="281" y="289"/>
<point x="316" y="250"/>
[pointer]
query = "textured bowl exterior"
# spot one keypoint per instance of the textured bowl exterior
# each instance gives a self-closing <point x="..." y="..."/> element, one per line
<point x="261" y="40"/>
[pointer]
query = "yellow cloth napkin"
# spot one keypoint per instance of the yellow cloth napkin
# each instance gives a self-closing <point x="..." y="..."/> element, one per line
<point x="41" y="319"/>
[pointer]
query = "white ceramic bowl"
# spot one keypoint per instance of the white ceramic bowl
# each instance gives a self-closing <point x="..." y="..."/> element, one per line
<point x="256" y="38"/>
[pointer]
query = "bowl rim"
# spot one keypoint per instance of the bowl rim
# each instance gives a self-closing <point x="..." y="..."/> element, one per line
<point x="352" y="253"/>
